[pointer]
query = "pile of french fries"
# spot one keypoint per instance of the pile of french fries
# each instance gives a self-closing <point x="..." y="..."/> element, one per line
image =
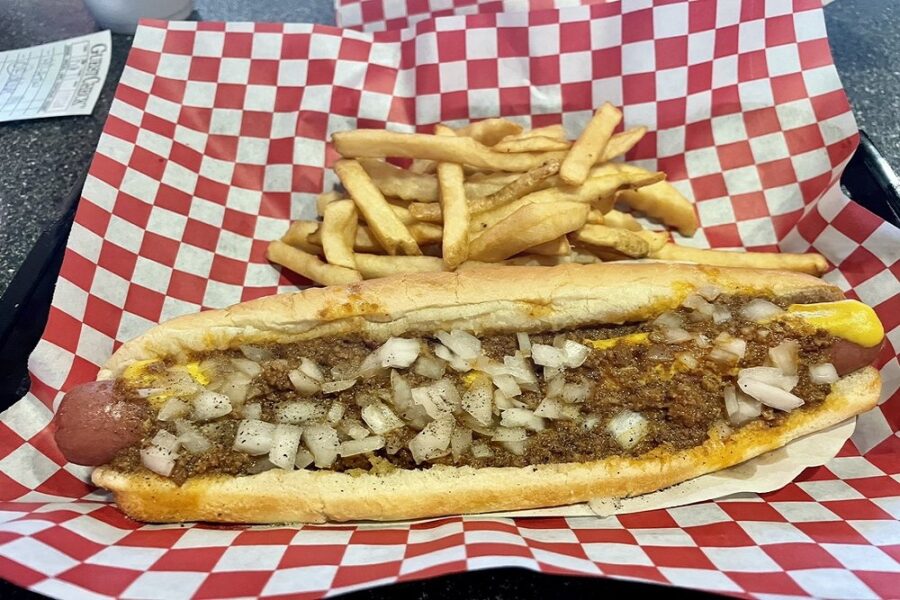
<point x="490" y="193"/>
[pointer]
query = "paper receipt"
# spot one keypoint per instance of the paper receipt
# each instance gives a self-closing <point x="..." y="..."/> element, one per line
<point x="53" y="80"/>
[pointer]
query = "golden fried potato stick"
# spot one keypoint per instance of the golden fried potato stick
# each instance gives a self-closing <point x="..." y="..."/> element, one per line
<point x="529" y="226"/>
<point x="659" y="201"/>
<point x="620" y="240"/>
<point x="374" y="265"/>
<point x="558" y="247"/>
<point x="339" y="233"/>
<point x="533" y="260"/>
<point x="422" y="166"/>
<point x="811" y="263"/>
<point x="655" y="239"/>
<point x="535" y="143"/>
<point x="454" y="208"/>
<point x="489" y="131"/>
<point x="619" y="219"/>
<point x="298" y="235"/>
<point x="391" y="233"/>
<point x="364" y="241"/>
<point x="377" y="143"/>
<point x="401" y="183"/>
<point x="309" y="265"/>
<point x="326" y="198"/>
<point x="597" y="191"/>
<point x="426" y="212"/>
<point x="426" y="233"/>
<point x="590" y="145"/>
<point x="555" y="132"/>
<point x="621" y="143"/>
<point x="525" y="184"/>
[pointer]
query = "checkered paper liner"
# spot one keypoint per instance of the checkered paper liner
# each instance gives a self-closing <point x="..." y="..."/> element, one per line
<point x="218" y="135"/>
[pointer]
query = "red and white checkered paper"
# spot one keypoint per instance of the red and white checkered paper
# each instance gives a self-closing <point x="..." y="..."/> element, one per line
<point x="218" y="135"/>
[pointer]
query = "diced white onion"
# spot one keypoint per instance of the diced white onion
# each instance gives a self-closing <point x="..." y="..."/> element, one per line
<point x="147" y="392"/>
<point x="698" y="303"/>
<point x="236" y="387"/>
<point x="254" y="437"/>
<point x="575" y="393"/>
<point x="728" y="349"/>
<point x="481" y="450"/>
<point x="710" y="292"/>
<point x="507" y="385"/>
<point x="520" y="368"/>
<point x="676" y="335"/>
<point x="463" y="344"/>
<point x="549" y="408"/>
<point x="771" y="376"/>
<point x="575" y="353"/>
<point x="285" y="444"/>
<point x="363" y="446"/>
<point x="353" y="428"/>
<point x="760" y="310"/>
<point x="823" y="373"/>
<point x="721" y="429"/>
<point x="628" y="428"/>
<point x="304" y="458"/>
<point x="211" y="405"/>
<point x="190" y="437"/>
<point x="311" y="370"/>
<point x="720" y="314"/>
<point x="260" y="465"/>
<point x="338" y="385"/>
<point x="659" y="353"/>
<point x="380" y="418"/>
<point x="547" y="356"/>
<point x="439" y="399"/>
<point x="401" y="396"/>
<point x="739" y="406"/>
<point x="433" y="441"/>
<point x="502" y="401"/>
<point x="323" y="442"/>
<point x="432" y="368"/>
<point x="509" y="434"/>
<point x="770" y="395"/>
<point x="517" y="448"/>
<point x="246" y="366"/>
<point x="416" y="417"/>
<point x="524" y="342"/>
<point x="299" y="412"/>
<point x="668" y="320"/>
<point x="701" y="341"/>
<point x="687" y="360"/>
<point x="786" y="356"/>
<point x="158" y="460"/>
<point x="370" y="366"/>
<point x="335" y="413"/>
<point x="590" y="423"/>
<point x="252" y="410"/>
<point x="559" y="340"/>
<point x="174" y="408"/>
<point x="521" y="417"/>
<point x="478" y="400"/>
<point x="303" y="383"/>
<point x="256" y="354"/>
<point x="456" y="362"/>
<point x="166" y="441"/>
<point x="556" y="386"/>
<point x="460" y="441"/>
<point x="399" y="352"/>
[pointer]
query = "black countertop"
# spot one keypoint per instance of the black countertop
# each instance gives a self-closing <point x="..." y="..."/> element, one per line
<point x="43" y="159"/>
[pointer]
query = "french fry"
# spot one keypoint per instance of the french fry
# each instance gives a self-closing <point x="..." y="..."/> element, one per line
<point x="390" y="232"/>
<point x="621" y="143"/>
<point x="536" y="143"/>
<point x="590" y="145"/>
<point x="598" y="191"/>
<point x="620" y="240"/>
<point x="619" y="219"/>
<point x="521" y="186"/>
<point x="309" y="265"/>
<point x="558" y="247"/>
<point x="376" y="143"/>
<point x="489" y="131"/>
<point x="533" y="260"/>
<point x="375" y="265"/>
<point x="655" y="239"/>
<point x="339" y="233"/>
<point x="426" y="233"/>
<point x="814" y="264"/>
<point x="659" y="201"/>
<point x="555" y="132"/>
<point x="400" y="183"/>
<point x="454" y="209"/>
<point x="529" y="226"/>
<point x="298" y="236"/>
<point x="323" y="200"/>
<point x="422" y="166"/>
<point x="426" y="212"/>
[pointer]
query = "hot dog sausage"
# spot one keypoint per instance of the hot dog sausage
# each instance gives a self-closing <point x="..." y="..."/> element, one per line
<point x="93" y="423"/>
<point x="848" y="357"/>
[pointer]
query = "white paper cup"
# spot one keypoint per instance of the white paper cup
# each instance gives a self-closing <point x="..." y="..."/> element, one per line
<point x="122" y="16"/>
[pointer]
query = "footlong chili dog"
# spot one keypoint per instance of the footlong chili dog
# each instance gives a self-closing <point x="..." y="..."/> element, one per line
<point x="484" y="390"/>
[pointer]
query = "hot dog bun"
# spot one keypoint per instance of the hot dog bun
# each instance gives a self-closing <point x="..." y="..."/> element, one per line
<point x="481" y="301"/>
